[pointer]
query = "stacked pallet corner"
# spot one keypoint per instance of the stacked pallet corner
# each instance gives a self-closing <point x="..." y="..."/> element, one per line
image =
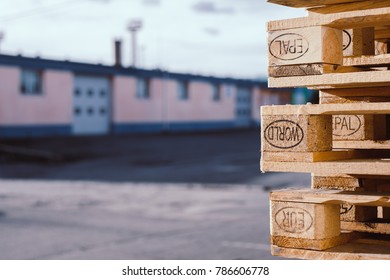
<point x="342" y="49"/>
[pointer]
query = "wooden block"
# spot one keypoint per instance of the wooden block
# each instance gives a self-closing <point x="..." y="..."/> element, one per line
<point x="316" y="44"/>
<point x="296" y="133"/>
<point x="320" y="244"/>
<point x="359" y="41"/>
<point x="304" y="220"/>
<point x="354" y="127"/>
<point x="308" y="3"/>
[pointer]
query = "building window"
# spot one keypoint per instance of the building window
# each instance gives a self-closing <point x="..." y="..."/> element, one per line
<point x="143" y="88"/>
<point x="228" y="90"/>
<point x="31" y="82"/>
<point x="216" y="92"/>
<point x="182" y="90"/>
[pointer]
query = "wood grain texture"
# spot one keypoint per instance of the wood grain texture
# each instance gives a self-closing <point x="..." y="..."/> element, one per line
<point x="331" y="197"/>
<point x="353" y="167"/>
<point x="366" y="144"/>
<point x="337" y="80"/>
<point x="310" y="156"/>
<point x="327" y="109"/>
<point x="342" y="20"/>
<point x="370" y="92"/>
<point x="309" y="69"/>
<point x="319" y="244"/>
<point x="346" y="7"/>
<point x="367" y="60"/>
<point x="359" y="41"/>
<point x="355" y="250"/>
<point x="371" y="226"/>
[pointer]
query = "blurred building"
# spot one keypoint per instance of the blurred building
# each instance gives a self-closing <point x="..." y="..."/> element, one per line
<point x="41" y="97"/>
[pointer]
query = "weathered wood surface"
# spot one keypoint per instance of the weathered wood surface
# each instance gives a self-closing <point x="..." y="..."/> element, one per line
<point x="344" y="182"/>
<point x="315" y="44"/>
<point x="310" y="69"/>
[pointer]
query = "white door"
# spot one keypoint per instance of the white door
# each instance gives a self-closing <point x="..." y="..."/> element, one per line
<point x="91" y="105"/>
<point x="243" y="107"/>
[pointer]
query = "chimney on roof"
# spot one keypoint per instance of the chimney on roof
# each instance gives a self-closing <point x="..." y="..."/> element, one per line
<point x="118" y="52"/>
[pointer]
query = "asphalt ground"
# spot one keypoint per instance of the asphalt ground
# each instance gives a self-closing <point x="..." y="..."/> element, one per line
<point x="176" y="196"/>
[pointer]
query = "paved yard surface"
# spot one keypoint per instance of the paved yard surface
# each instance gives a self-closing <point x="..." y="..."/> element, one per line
<point x="183" y="196"/>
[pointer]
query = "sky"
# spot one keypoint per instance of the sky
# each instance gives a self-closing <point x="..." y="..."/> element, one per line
<point x="208" y="37"/>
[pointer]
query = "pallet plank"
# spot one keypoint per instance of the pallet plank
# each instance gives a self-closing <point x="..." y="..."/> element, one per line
<point x="320" y="244"/>
<point x="355" y="250"/>
<point x="342" y="20"/>
<point x="331" y="197"/>
<point x="310" y="3"/>
<point x="327" y="109"/>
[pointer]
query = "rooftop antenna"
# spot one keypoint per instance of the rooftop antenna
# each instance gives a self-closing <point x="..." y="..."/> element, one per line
<point x="133" y="26"/>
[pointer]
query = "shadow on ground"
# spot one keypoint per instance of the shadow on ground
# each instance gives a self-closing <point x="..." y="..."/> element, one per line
<point x="217" y="158"/>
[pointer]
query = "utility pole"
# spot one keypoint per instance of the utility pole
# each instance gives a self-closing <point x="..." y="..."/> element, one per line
<point x="133" y="27"/>
<point x="1" y="38"/>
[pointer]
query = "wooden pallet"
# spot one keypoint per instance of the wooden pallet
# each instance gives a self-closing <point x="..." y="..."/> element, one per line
<point x="305" y="221"/>
<point x="342" y="48"/>
<point x="333" y="47"/>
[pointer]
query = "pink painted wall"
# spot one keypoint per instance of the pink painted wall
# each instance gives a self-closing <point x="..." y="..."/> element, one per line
<point x="256" y="103"/>
<point x="128" y="108"/>
<point x="54" y="106"/>
<point x="164" y="104"/>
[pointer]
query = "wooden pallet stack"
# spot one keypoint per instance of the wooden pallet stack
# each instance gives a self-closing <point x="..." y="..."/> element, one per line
<point x="342" y="49"/>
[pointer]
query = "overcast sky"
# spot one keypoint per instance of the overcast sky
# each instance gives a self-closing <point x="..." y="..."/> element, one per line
<point x="211" y="37"/>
